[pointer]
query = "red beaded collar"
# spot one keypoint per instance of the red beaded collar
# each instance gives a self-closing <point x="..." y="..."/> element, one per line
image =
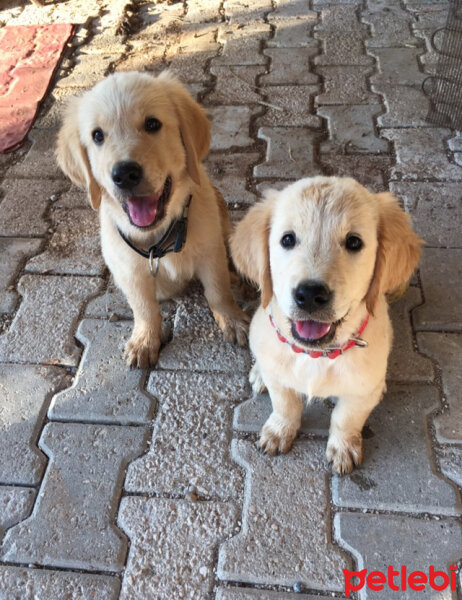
<point x="327" y="352"/>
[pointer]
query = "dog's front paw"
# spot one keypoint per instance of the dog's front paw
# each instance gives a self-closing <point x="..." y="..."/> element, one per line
<point x="142" y="350"/>
<point x="277" y="435"/>
<point x="256" y="380"/>
<point x="235" y="327"/>
<point x="344" y="453"/>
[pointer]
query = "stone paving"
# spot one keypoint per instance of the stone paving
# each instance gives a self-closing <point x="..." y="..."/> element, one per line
<point x="148" y="485"/>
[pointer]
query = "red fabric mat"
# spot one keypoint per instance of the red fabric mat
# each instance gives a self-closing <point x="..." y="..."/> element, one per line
<point x="29" y="55"/>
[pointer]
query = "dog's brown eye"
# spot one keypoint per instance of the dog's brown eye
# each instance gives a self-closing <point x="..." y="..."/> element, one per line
<point x="98" y="136"/>
<point x="152" y="124"/>
<point x="353" y="243"/>
<point x="288" y="240"/>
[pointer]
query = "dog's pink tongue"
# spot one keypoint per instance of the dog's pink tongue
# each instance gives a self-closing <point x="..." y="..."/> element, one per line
<point x="312" y="330"/>
<point x="143" y="209"/>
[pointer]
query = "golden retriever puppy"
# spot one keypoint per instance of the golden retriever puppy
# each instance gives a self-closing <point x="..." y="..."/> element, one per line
<point x="324" y="252"/>
<point x="136" y="143"/>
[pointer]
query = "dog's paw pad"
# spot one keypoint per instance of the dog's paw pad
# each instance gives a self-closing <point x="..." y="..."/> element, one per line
<point x="344" y="455"/>
<point x="276" y="437"/>
<point x="235" y="329"/>
<point x="141" y="351"/>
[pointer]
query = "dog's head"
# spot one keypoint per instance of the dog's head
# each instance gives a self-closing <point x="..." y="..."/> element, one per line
<point x="321" y="247"/>
<point x="137" y="137"/>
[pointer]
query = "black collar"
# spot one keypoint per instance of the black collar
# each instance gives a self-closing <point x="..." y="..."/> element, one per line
<point x="173" y="239"/>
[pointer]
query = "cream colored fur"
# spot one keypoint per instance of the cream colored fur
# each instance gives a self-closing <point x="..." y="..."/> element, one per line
<point x="321" y="211"/>
<point x="119" y="106"/>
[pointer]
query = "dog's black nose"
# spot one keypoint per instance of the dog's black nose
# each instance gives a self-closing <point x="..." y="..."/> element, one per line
<point x="312" y="295"/>
<point x="126" y="174"/>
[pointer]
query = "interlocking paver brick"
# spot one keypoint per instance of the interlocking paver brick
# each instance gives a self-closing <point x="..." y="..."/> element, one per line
<point x="173" y="546"/>
<point x="235" y="85"/>
<point x="198" y="344"/>
<point x="277" y="545"/>
<point x="24" y="391"/>
<point x="149" y="59"/>
<point x="420" y="154"/>
<point x="290" y="106"/>
<point x="449" y="459"/>
<point x="296" y="32"/>
<point x="406" y="105"/>
<point x="14" y="251"/>
<point x="345" y="85"/>
<point x="338" y="50"/>
<point x="228" y="173"/>
<point x="440" y="273"/>
<point x="89" y="69"/>
<point x="405" y="363"/>
<point x="15" y="505"/>
<point x="408" y="72"/>
<point x="74" y="197"/>
<point x="202" y="11"/>
<point x="390" y="24"/>
<point x="26" y="218"/>
<point x="351" y="129"/>
<point x="190" y="441"/>
<point x="413" y="542"/>
<point x="78" y="498"/>
<point x="42" y="330"/>
<point x="455" y="143"/>
<point x="105" y="389"/>
<point x="74" y="247"/>
<point x="435" y="208"/>
<point x="396" y="446"/>
<point x="255" y="594"/>
<point x="242" y="43"/>
<point x="40" y="160"/>
<point x="289" y="153"/>
<point x="18" y="583"/>
<point x="111" y="303"/>
<point x="446" y="349"/>
<point x="290" y="66"/>
<point x="288" y="9"/>
<point x="335" y="2"/>
<point x="230" y="126"/>
<point x="251" y="415"/>
<point x="243" y="11"/>
<point x="339" y="19"/>
<point x="370" y="171"/>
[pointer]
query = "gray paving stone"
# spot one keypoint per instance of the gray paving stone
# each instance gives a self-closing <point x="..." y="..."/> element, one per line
<point x="202" y="11"/>
<point x="435" y="208"/>
<point x="251" y="415"/>
<point x="406" y="105"/>
<point x="72" y="524"/>
<point x="295" y="32"/>
<point x="347" y="49"/>
<point x="197" y="343"/>
<point x="405" y="363"/>
<point x="26" y="218"/>
<point x="289" y="153"/>
<point x="397" y="449"/>
<point x="89" y="69"/>
<point x="74" y="197"/>
<point x="378" y="541"/>
<point x="390" y="25"/>
<point x="455" y="143"/>
<point x="74" y="247"/>
<point x="190" y="441"/>
<point x="173" y="546"/>
<point x="111" y="303"/>
<point x="242" y="43"/>
<point x="14" y="251"/>
<point x="288" y="9"/>
<point x="42" y="330"/>
<point x="104" y="389"/>
<point x="255" y="594"/>
<point x="40" y="160"/>
<point x="148" y="59"/>
<point x="290" y="66"/>
<point x="440" y="273"/>
<point x="235" y="85"/>
<point x="18" y="583"/>
<point x="278" y="545"/>
<point x="446" y="349"/>
<point x="291" y="106"/>
<point x="335" y="2"/>
<point x="449" y="460"/>
<point x="370" y="171"/>
<point x="340" y="19"/>
<point x="15" y="505"/>
<point x="408" y="72"/>
<point x="230" y="126"/>
<point x="24" y="392"/>
<point x="241" y="11"/>
<point x="420" y="154"/>
<point x="351" y="129"/>
<point x="228" y="173"/>
<point x="346" y="85"/>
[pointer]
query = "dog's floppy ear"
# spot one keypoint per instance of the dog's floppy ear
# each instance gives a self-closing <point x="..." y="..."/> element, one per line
<point x="72" y="156"/>
<point x="250" y="247"/>
<point x="398" y="250"/>
<point x="194" y="129"/>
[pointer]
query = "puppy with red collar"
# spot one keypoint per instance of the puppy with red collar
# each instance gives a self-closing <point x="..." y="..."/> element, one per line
<point x="324" y="252"/>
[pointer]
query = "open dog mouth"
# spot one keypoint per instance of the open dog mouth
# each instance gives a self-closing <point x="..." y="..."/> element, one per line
<point x="314" y="333"/>
<point x="145" y="211"/>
